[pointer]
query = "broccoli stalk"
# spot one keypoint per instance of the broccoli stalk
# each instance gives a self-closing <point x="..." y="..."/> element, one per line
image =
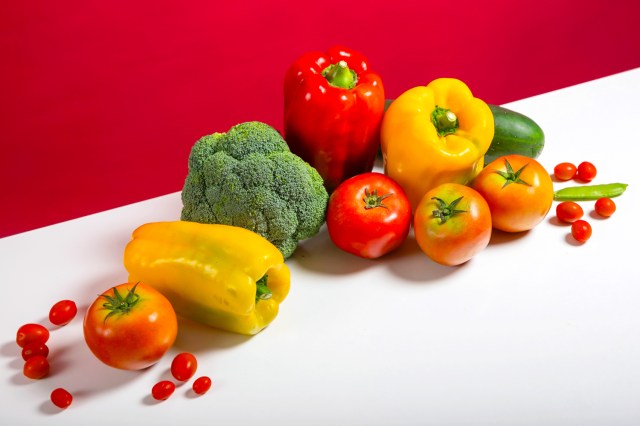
<point x="248" y="177"/>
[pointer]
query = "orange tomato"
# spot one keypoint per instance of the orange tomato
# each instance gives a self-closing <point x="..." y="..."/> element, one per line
<point x="452" y="223"/>
<point x="130" y="326"/>
<point x="519" y="192"/>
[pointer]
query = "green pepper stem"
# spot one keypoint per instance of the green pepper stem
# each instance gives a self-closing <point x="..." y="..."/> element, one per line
<point x="339" y="75"/>
<point x="444" y="120"/>
<point x="262" y="291"/>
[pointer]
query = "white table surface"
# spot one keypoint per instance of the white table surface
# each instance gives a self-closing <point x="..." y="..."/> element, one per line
<point x="534" y="330"/>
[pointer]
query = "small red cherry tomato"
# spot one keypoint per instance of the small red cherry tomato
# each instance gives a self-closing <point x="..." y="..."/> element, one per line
<point x="63" y="312"/>
<point x="61" y="398"/>
<point x="184" y="366"/>
<point x="586" y="171"/>
<point x="163" y="390"/>
<point x="202" y="385"/>
<point x="35" y="349"/>
<point x="581" y="230"/>
<point x="568" y="211"/>
<point x="36" y="367"/>
<point x="605" y="207"/>
<point x="564" y="171"/>
<point x="31" y="333"/>
<point x="368" y="215"/>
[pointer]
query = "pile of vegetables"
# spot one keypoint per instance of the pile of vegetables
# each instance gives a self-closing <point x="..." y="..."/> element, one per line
<point x="455" y="170"/>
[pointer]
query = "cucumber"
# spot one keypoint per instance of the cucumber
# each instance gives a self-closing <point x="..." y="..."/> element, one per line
<point x="515" y="133"/>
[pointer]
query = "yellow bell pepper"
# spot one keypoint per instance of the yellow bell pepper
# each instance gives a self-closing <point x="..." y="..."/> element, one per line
<point x="435" y="134"/>
<point x="223" y="276"/>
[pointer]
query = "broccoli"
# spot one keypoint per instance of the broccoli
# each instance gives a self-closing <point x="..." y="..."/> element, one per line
<point x="248" y="177"/>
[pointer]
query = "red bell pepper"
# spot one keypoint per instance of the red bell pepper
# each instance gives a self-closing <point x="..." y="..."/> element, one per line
<point x="333" y="107"/>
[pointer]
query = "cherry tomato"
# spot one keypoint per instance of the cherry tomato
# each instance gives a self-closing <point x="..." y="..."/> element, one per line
<point x="31" y="333"/>
<point x="518" y="190"/>
<point x="586" y="171"/>
<point x="368" y="215"/>
<point x="36" y="367"/>
<point x="202" y="385"/>
<point x="581" y="230"/>
<point x="605" y="207"/>
<point x="452" y="224"/>
<point x="184" y="366"/>
<point x="163" y="390"/>
<point x="61" y="398"/>
<point x="568" y="211"/>
<point x="63" y="312"/>
<point x="34" y="349"/>
<point x="130" y="326"/>
<point x="565" y="171"/>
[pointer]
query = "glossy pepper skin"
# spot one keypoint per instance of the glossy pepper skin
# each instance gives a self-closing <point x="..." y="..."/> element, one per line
<point x="435" y="134"/>
<point x="333" y="107"/>
<point x="211" y="273"/>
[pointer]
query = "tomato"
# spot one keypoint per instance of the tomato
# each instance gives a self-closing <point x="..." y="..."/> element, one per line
<point x="63" y="312"/>
<point x="564" y="171"/>
<point x="163" y="390"/>
<point x="184" y="366"/>
<point x="36" y="367"/>
<point x="586" y="171"/>
<point x="202" y="385"/>
<point x="452" y="224"/>
<point x="130" y="326"/>
<point x="581" y="230"/>
<point x="368" y="215"/>
<point x="31" y="333"/>
<point x="34" y="349"/>
<point x="568" y="211"/>
<point x="605" y="207"/>
<point x="61" y="398"/>
<point x="519" y="192"/>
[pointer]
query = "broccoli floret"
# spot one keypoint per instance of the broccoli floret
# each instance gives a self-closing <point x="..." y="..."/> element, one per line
<point x="248" y="177"/>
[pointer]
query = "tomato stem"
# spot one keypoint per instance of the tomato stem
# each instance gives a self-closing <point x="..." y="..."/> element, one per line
<point x="510" y="176"/>
<point x="373" y="200"/>
<point x="117" y="304"/>
<point x="445" y="211"/>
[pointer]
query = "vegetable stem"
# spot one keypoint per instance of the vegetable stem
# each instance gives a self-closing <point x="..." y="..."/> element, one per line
<point x="339" y="75"/>
<point x="444" y="120"/>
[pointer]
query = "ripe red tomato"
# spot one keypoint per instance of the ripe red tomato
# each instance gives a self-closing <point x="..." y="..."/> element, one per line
<point x="605" y="207"/>
<point x="34" y="349"/>
<point x="61" y="398"/>
<point x="519" y="192"/>
<point x="368" y="215"/>
<point x="36" y="367"/>
<point x="202" y="385"/>
<point x="568" y="211"/>
<point x="581" y="230"/>
<point x="163" y="390"/>
<point x="130" y="326"/>
<point x="184" y="366"/>
<point x="452" y="224"/>
<point x="564" y="171"/>
<point x="31" y="333"/>
<point x="63" y="312"/>
<point x="586" y="171"/>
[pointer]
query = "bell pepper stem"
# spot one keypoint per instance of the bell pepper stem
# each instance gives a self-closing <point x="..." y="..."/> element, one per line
<point x="262" y="291"/>
<point x="339" y="75"/>
<point x="444" y="120"/>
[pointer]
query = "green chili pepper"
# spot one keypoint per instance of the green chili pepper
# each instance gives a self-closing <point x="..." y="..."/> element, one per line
<point x="589" y="192"/>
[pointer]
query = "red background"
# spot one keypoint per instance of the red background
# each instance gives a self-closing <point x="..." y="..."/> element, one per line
<point x="102" y="101"/>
